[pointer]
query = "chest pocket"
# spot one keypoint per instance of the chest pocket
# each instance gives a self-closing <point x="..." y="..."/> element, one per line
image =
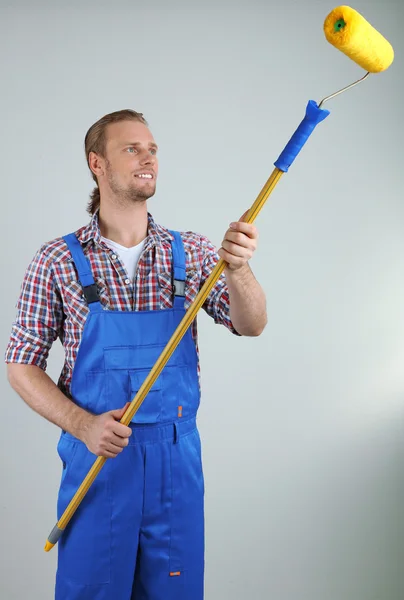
<point x="192" y="284"/>
<point x="166" y="290"/>
<point x="150" y="411"/>
<point x="126" y="368"/>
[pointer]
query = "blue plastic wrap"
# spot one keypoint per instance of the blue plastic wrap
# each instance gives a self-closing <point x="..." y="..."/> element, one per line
<point x="314" y="116"/>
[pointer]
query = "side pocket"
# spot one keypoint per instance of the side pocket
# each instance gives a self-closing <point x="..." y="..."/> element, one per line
<point x="84" y="550"/>
<point x="198" y="453"/>
<point x="187" y="506"/>
<point x="66" y="450"/>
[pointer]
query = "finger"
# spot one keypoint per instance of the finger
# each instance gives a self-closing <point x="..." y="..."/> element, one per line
<point x="234" y="261"/>
<point x="107" y="454"/>
<point x="246" y="228"/>
<point x="119" y="412"/>
<point x="241" y="239"/>
<point x="117" y="445"/>
<point x="120" y="430"/>
<point x="113" y="443"/>
<point x="116" y="442"/>
<point x="237" y="250"/>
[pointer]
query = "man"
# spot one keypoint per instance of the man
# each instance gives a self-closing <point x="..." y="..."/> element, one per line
<point x="114" y="292"/>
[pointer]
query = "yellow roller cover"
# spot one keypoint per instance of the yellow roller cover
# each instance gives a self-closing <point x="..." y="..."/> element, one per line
<point x="348" y="31"/>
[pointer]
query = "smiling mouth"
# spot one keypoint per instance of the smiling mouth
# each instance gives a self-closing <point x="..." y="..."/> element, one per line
<point x="148" y="176"/>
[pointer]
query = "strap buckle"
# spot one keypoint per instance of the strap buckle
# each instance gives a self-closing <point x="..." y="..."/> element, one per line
<point x="179" y="287"/>
<point x="91" y="293"/>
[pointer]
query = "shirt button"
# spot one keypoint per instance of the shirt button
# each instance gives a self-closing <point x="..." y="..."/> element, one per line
<point x="127" y="281"/>
<point x="113" y="256"/>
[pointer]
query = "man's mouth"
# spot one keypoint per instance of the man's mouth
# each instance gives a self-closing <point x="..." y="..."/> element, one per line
<point x="144" y="175"/>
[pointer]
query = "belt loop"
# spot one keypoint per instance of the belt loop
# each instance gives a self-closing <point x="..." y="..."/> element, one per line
<point x="176" y="433"/>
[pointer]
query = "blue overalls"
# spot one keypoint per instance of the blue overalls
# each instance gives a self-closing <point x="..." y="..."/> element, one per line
<point x="139" y="532"/>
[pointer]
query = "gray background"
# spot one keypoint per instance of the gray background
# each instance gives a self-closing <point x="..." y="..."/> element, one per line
<point x="303" y="427"/>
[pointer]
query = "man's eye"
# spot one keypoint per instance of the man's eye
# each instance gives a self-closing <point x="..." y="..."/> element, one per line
<point x="153" y="151"/>
<point x="130" y="149"/>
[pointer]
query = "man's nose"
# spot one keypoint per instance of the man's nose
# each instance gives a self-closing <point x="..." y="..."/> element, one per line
<point x="147" y="158"/>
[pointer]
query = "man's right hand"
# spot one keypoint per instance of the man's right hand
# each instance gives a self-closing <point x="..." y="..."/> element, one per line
<point x="105" y="436"/>
<point x="102" y="434"/>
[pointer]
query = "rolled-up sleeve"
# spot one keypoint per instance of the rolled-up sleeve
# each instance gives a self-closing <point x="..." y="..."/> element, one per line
<point x="217" y="304"/>
<point x="39" y="314"/>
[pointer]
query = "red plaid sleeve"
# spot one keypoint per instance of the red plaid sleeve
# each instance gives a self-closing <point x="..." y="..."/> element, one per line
<point x="39" y="314"/>
<point x="217" y="304"/>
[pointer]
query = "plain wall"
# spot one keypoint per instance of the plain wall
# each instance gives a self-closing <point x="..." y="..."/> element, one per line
<point x="302" y="428"/>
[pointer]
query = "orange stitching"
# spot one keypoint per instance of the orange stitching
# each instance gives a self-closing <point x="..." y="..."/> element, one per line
<point x="174" y="574"/>
<point x="180" y="411"/>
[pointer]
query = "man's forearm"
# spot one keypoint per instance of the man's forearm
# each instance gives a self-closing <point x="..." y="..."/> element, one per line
<point x="38" y="390"/>
<point x="247" y="301"/>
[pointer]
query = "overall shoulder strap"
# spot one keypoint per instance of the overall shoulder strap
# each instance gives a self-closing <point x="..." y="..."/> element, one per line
<point x="84" y="271"/>
<point x="179" y="272"/>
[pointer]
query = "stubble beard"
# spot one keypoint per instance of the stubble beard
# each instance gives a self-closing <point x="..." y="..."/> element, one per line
<point x="131" y="194"/>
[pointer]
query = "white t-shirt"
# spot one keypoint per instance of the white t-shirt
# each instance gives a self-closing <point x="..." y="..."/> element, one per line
<point x="129" y="256"/>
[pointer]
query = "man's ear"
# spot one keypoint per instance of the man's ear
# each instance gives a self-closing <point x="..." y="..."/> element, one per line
<point x="96" y="163"/>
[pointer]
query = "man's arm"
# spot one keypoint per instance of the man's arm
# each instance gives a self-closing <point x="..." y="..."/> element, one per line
<point x="102" y="434"/>
<point x="237" y="300"/>
<point x="247" y="299"/>
<point x="41" y="394"/>
<point x="38" y="323"/>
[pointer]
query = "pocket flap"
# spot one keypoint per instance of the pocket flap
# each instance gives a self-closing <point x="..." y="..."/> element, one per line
<point x="138" y="377"/>
<point x="132" y="357"/>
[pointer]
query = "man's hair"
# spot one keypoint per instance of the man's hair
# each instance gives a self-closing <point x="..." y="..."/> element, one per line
<point x="95" y="141"/>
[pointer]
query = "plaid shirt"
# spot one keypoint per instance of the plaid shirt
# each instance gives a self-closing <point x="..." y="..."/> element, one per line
<point x="52" y="305"/>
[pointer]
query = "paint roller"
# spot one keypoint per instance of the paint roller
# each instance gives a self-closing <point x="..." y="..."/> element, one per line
<point x="348" y="31"/>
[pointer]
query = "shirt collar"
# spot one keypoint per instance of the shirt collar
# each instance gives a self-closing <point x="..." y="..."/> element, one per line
<point x="156" y="234"/>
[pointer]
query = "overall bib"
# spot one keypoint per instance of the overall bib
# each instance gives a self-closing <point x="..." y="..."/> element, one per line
<point x="139" y="532"/>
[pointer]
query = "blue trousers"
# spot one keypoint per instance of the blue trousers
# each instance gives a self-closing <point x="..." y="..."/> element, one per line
<point x="139" y="532"/>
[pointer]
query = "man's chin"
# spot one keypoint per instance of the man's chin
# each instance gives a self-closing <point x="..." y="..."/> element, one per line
<point x="143" y="194"/>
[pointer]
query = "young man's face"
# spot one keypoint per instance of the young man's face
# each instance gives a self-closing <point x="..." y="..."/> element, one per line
<point x="131" y="164"/>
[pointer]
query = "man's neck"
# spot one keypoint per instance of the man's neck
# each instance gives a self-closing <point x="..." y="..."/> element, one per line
<point x="125" y="226"/>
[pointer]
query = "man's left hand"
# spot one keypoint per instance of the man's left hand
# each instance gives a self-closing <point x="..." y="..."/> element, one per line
<point x="239" y="244"/>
